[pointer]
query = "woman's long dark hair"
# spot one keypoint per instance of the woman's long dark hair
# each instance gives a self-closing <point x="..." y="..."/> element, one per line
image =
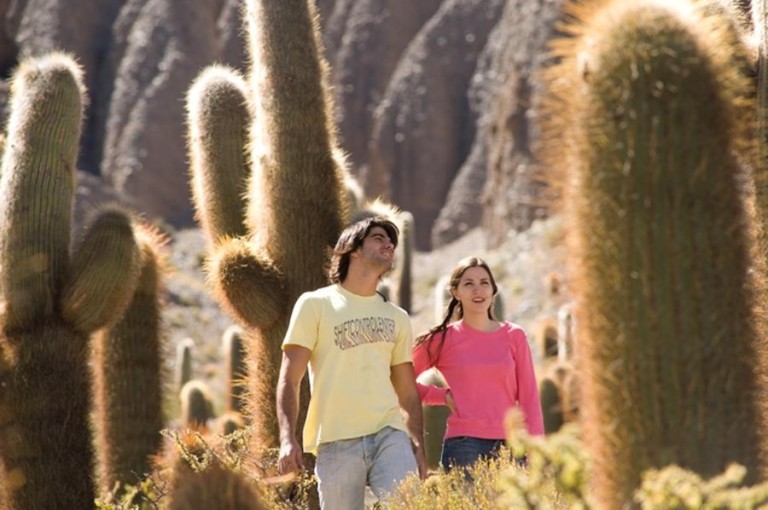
<point x="453" y="310"/>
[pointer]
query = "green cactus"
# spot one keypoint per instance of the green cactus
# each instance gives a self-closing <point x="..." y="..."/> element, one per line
<point x="435" y="418"/>
<point x="551" y="404"/>
<point x="128" y="377"/>
<point x="196" y="405"/>
<point x="52" y="301"/>
<point x="546" y="338"/>
<point x="215" y="487"/>
<point x="498" y="305"/>
<point x="404" y="261"/>
<point x="233" y="346"/>
<point x="649" y="102"/>
<point x="203" y="476"/>
<point x="183" y="368"/>
<point x="295" y="205"/>
<point x="229" y="422"/>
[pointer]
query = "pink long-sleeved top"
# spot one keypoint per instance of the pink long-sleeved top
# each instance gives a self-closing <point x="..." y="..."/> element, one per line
<point x="488" y="373"/>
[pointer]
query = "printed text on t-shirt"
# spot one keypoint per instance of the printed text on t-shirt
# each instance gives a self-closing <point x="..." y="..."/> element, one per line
<point x="367" y="330"/>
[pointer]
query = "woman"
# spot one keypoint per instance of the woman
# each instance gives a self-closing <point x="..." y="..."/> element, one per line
<point x="486" y="363"/>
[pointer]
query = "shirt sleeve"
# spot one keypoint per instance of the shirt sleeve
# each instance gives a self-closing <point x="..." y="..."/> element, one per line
<point x="402" y="353"/>
<point x="304" y="324"/>
<point x="527" y="388"/>
<point x="430" y="395"/>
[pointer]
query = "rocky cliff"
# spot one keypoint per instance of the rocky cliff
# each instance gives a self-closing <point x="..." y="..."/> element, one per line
<point x="435" y="100"/>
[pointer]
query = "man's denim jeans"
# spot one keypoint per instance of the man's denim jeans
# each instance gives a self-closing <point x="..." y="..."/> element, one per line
<point x="381" y="460"/>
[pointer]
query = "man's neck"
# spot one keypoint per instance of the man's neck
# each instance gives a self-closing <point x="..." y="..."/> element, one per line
<point x="361" y="284"/>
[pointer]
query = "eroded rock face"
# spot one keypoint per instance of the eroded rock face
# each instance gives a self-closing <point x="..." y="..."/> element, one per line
<point x="375" y="35"/>
<point x="423" y="128"/>
<point x="139" y="58"/>
<point x="166" y="43"/>
<point x="515" y="193"/>
<point x="433" y="103"/>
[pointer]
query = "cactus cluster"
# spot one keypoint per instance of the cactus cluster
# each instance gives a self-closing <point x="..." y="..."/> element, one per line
<point x="52" y="298"/>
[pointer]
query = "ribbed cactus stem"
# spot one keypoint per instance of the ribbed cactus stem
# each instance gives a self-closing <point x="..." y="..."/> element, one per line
<point x="404" y="261"/>
<point x="551" y="404"/>
<point x="668" y="338"/>
<point x="293" y="143"/>
<point x="128" y="379"/>
<point x="196" y="405"/>
<point x="184" y="352"/>
<point x="233" y="346"/>
<point x="216" y="487"/>
<point x="219" y="121"/>
<point x="47" y="99"/>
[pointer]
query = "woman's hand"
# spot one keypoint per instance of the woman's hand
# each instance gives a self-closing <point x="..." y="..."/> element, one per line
<point x="449" y="401"/>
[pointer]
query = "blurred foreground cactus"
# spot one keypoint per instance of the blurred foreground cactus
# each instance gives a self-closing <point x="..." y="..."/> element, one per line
<point x="268" y="188"/>
<point x="51" y="300"/>
<point x="649" y="110"/>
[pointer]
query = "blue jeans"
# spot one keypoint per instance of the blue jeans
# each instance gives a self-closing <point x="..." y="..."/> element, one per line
<point x="343" y="469"/>
<point x="464" y="451"/>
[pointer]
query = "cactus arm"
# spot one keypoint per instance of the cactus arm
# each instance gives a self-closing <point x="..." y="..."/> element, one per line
<point x="297" y="186"/>
<point x="218" y="133"/>
<point x="37" y="186"/>
<point x="247" y="284"/>
<point x="105" y="271"/>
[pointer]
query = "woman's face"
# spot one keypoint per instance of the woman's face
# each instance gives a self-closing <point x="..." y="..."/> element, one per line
<point x="474" y="290"/>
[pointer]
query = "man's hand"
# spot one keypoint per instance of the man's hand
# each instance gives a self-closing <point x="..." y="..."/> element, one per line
<point x="404" y="383"/>
<point x="291" y="459"/>
<point x="292" y="369"/>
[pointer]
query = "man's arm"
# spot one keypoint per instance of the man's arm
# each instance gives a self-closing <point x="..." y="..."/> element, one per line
<point x="404" y="382"/>
<point x="292" y="370"/>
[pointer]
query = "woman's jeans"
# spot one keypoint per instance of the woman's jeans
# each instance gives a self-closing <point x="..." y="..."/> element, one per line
<point x="381" y="460"/>
<point x="464" y="451"/>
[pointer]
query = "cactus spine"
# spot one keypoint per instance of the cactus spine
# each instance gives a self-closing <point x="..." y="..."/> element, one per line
<point x="651" y="111"/>
<point x="128" y="378"/>
<point x="51" y="302"/>
<point x="295" y="205"/>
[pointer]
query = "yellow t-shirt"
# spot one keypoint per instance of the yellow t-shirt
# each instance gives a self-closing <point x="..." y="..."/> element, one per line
<point x="354" y="341"/>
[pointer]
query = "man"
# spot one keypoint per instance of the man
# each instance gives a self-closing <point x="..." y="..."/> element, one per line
<point x="364" y="399"/>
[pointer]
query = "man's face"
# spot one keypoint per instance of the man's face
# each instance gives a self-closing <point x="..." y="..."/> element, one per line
<point x="377" y="249"/>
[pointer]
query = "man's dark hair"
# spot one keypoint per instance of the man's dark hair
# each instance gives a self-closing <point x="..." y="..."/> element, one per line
<point x="352" y="238"/>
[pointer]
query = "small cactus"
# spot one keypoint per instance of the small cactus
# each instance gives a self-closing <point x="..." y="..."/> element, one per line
<point x="196" y="405"/>
<point x="551" y="404"/>
<point x="183" y="370"/>
<point x="235" y="369"/>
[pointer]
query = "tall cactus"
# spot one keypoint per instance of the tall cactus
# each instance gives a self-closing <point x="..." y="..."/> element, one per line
<point x="652" y="110"/>
<point x="128" y="377"/>
<point x="52" y="300"/>
<point x="278" y="244"/>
